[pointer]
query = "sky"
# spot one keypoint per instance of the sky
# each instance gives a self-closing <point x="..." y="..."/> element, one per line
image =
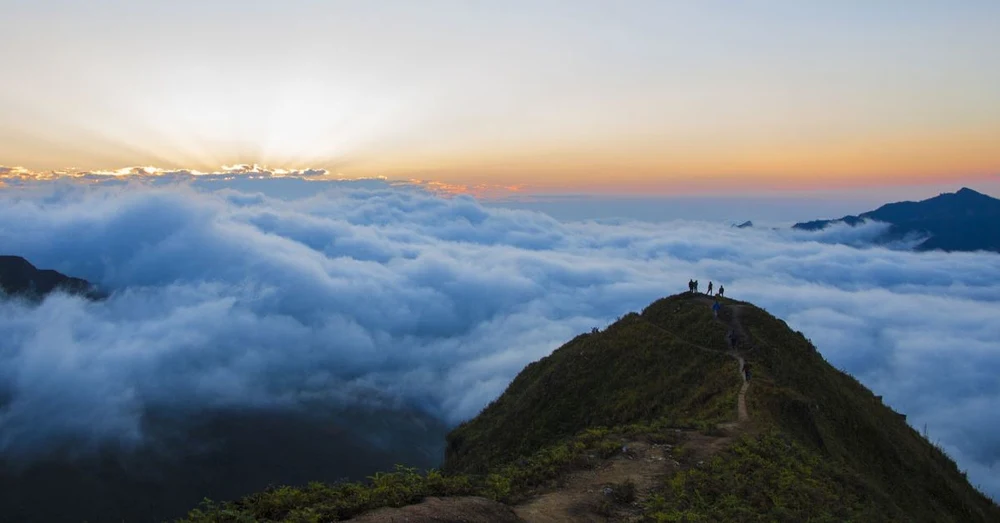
<point x="371" y="295"/>
<point x="633" y="98"/>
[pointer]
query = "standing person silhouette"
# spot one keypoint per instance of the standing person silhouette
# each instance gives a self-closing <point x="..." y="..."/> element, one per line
<point x="709" y="288"/>
<point x="722" y="291"/>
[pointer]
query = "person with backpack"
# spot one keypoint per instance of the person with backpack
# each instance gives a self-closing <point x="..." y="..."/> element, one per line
<point x="722" y="291"/>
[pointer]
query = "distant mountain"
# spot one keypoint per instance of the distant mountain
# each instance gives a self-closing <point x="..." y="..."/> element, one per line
<point x="19" y="277"/>
<point x="963" y="221"/>
<point x="745" y="225"/>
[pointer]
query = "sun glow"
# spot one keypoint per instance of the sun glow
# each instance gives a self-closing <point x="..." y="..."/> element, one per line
<point x="698" y="100"/>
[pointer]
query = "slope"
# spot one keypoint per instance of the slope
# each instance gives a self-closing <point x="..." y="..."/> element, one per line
<point x="631" y="372"/>
<point x="807" y="416"/>
<point x="640" y="422"/>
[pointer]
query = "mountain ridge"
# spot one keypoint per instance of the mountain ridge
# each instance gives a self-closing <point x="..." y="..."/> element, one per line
<point x="642" y="421"/>
<point x="965" y="220"/>
<point x="18" y="277"/>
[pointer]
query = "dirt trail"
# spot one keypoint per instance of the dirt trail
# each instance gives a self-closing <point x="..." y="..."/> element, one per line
<point x="587" y="495"/>
<point x="581" y="494"/>
<point x="742" y="414"/>
<point x="736" y="333"/>
<point x="590" y="495"/>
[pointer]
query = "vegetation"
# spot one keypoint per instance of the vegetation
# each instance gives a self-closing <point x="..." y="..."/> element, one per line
<point x="820" y="447"/>
<point x="321" y="502"/>
<point x="767" y="478"/>
<point x="798" y="393"/>
<point x="632" y="372"/>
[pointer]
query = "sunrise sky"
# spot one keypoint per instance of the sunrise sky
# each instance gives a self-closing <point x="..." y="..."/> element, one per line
<point x="634" y="97"/>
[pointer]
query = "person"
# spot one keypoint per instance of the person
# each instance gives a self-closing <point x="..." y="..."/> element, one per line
<point x="709" y="288"/>
<point x="722" y="291"/>
<point x="715" y="308"/>
<point x="690" y="285"/>
<point x="696" y="286"/>
<point x="746" y="370"/>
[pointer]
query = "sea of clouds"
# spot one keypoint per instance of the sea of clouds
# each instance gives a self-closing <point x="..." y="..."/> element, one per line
<point x="370" y="295"/>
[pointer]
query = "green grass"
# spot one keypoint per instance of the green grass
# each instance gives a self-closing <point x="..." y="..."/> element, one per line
<point x="318" y="502"/>
<point x="770" y="478"/>
<point x="629" y="373"/>
<point x="820" y="448"/>
<point x="831" y="413"/>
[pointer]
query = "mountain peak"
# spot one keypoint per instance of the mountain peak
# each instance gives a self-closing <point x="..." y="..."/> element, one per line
<point x="658" y="413"/>
<point x="20" y="277"/>
<point x="965" y="191"/>
<point x="676" y="364"/>
<point x="965" y="220"/>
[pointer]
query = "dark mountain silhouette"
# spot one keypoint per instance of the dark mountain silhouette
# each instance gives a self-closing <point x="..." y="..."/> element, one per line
<point x="745" y="225"/>
<point x="654" y="419"/>
<point x="962" y="221"/>
<point x="19" y="277"/>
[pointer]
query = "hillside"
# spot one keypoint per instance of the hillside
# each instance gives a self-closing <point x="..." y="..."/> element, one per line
<point x="645" y="421"/>
<point x="19" y="277"/>
<point x="962" y="221"/>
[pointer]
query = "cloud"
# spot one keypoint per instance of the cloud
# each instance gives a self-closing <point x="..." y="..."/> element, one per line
<point x="371" y="295"/>
<point x="238" y="175"/>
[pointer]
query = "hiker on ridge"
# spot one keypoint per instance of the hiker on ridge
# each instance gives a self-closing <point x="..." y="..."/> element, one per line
<point x="690" y="285"/>
<point x="722" y="291"/>
<point x="709" y="288"/>
<point x="696" y="286"/>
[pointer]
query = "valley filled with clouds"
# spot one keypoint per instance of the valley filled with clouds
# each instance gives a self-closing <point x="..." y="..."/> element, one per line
<point x="367" y="296"/>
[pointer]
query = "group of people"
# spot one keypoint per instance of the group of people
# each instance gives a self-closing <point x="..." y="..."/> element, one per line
<point x="734" y="339"/>
<point x="693" y="287"/>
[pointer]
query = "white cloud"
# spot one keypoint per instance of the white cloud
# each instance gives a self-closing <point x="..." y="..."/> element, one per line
<point x="233" y="298"/>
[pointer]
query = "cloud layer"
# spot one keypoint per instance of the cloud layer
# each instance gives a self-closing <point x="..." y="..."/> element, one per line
<point x="378" y="296"/>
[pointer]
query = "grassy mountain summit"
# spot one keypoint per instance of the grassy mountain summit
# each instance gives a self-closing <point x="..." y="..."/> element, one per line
<point x="651" y="419"/>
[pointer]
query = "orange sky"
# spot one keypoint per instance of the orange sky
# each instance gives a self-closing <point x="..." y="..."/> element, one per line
<point x="643" y="97"/>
